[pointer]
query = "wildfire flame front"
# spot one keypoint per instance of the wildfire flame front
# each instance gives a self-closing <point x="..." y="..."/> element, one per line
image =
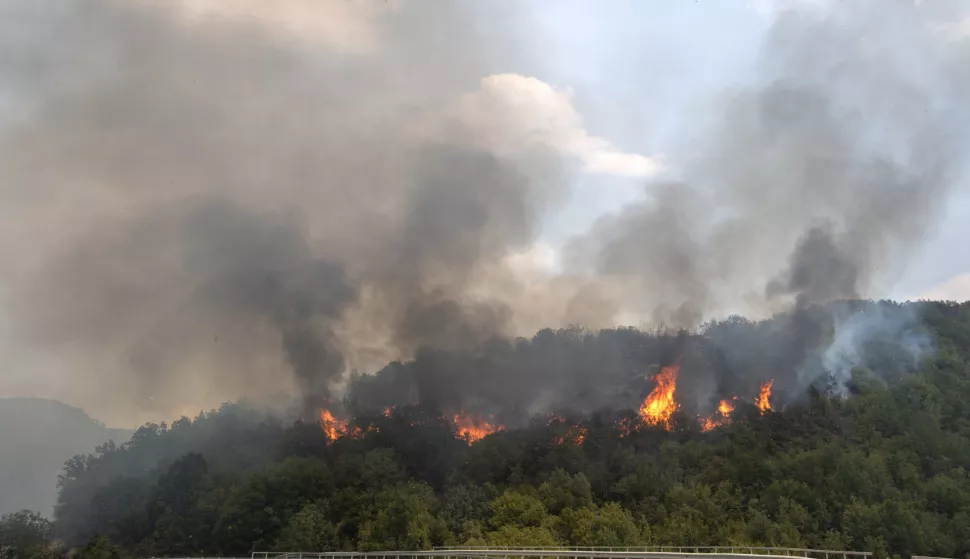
<point x="724" y="410"/>
<point x="473" y="430"/>
<point x="332" y="426"/>
<point x="763" y="400"/>
<point x="660" y="405"/>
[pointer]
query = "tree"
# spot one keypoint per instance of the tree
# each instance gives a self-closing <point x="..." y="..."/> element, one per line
<point x="516" y="508"/>
<point x="563" y="491"/>
<point x="465" y="503"/>
<point x="23" y="534"/>
<point x="256" y="511"/>
<point x="515" y="536"/>
<point x="883" y="468"/>
<point x="308" y="530"/>
<point x="101" y="548"/>
<point x="403" y="519"/>
<point x="609" y="526"/>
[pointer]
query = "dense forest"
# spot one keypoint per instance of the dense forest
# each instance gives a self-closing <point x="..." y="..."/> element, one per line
<point x="880" y="466"/>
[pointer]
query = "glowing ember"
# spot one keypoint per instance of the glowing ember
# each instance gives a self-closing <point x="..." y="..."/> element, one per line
<point x="387" y="411"/>
<point x="576" y="434"/>
<point x="626" y="426"/>
<point x="763" y="401"/>
<point x="659" y="407"/>
<point x="473" y="430"/>
<point x="332" y="426"/>
<point x="358" y="432"/>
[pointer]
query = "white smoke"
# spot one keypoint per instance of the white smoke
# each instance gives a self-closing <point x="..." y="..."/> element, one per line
<point x="863" y="335"/>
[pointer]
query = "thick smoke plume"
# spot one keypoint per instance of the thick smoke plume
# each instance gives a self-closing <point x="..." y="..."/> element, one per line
<point x="205" y="200"/>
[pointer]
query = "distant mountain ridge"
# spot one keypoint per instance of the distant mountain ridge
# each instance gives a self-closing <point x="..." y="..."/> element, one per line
<point x="36" y="437"/>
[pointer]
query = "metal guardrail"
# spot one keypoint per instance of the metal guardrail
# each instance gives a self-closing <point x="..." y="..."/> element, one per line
<point x="692" y="550"/>
<point x="649" y="552"/>
<point x="518" y="553"/>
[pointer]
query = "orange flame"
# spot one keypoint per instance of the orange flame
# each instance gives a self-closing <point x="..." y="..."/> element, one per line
<point x="473" y="430"/>
<point x="724" y="410"/>
<point x="579" y="435"/>
<point x="332" y="426"/>
<point x="387" y="411"/>
<point x="709" y="423"/>
<point x="659" y="407"/>
<point x="763" y="401"/>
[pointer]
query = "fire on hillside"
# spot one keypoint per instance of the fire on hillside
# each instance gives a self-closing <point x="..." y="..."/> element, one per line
<point x="658" y="410"/>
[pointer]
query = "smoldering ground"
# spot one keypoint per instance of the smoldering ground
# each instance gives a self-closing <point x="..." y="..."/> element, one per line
<point x="198" y="207"/>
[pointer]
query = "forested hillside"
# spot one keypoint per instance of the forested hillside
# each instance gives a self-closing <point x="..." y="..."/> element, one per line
<point x="36" y="437"/>
<point x="883" y="467"/>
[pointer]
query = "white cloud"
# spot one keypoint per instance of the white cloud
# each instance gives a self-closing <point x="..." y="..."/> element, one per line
<point x="349" y="26"/>
<point x="771" y="8"/>
<point x="954" y="31"/>
<point x="540" y="258"/>
<point x="518" y="113"/>
<point x="956" y="288"/>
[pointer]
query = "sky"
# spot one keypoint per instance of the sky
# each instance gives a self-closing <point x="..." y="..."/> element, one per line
<point x="613" y="89"/>
<point x="664" y="58"/>
<point x="658" y="61"/>
<point x="654" y="59"/>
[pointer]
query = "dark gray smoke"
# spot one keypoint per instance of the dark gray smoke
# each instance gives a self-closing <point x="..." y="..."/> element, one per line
<point x="266" y="270"/>
<point x="812" y="185"/>
<point x="215" y="207"/>
<point x="199" y="205"/>
<point x="818" y="272"/>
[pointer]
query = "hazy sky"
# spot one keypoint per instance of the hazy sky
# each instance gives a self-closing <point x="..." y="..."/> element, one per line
<point x="633" y="69"/>
<point x="654" y="59"/>
<point x="98" y="156"/>
<point x="660" y="59"/>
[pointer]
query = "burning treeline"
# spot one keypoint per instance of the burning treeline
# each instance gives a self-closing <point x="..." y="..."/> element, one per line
<point x="658" y="410"/>
<point x="467" y="428"/>
<point x="647" y="380"/>
<point x="660" y="406"/>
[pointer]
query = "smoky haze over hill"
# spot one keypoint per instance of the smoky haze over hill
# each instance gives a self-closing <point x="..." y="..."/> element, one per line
<point x="38" y="437"/>
<point x="198" y="207"/>
<point x="579" y="373"/>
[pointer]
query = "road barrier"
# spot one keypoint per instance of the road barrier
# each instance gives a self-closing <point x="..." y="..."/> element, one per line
<point x="652" y="552"/>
